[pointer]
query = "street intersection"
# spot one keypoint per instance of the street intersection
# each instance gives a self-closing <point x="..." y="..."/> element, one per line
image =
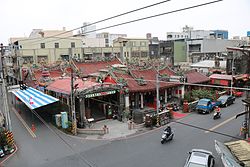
<point x="51" y="147"/>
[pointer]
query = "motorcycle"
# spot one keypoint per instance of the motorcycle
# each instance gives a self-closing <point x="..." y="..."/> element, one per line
<point x="165" y="137"/>
<point x="175" y="107"/>
<point x="217" y="115"/>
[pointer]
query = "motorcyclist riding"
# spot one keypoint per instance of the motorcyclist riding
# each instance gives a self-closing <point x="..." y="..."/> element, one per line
<point x="167" y="135"/>
<point x="217" y="113"/>
<point x="168" y="130"/>
<point x="217" y="110"/>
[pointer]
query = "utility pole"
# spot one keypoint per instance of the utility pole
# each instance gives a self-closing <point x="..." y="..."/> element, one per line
<point x="157" y="97"/>
<point x="72" y="97"/>
<point x="232" y="70"/>
<point x="4" y="91"/>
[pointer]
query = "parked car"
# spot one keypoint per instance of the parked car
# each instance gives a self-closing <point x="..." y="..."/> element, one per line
<point x="226" y="100"/>
<point x="200" y="158"/>
<point x="206" y="105"/>
<point x="1" y="153"/>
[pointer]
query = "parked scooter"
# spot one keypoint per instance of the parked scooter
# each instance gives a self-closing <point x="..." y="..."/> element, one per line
<point x="217" y="115"/>
<point x="165" y="137"/>
<point x="175" y="107"/>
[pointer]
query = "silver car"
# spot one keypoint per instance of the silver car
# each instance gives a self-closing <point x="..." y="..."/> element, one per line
<point x="200" y="158"/>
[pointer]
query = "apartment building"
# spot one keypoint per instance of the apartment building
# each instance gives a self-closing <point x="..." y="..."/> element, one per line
<point x="109" y="38"/>
<point x="132" y="49"/>
<point x="50" y="46"/>
<point x="47" y="45"/>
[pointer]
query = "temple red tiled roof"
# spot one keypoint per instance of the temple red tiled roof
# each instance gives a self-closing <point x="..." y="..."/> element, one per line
<point x="63" y="85"/>
<point x="93" y="67"/>
<point x="196" y="77"/>
<point x="167" y="71"/>
<point x="150" y="77"/>
<point x="221" y="77"/>
<point x="132" y="84"/>
<point x="53" y="74"/>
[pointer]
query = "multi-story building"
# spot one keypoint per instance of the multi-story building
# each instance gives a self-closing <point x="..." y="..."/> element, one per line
<point x="52" y="45"/>
<point x="208" y="49"/>
<point x="88" y="30"/>
<point x="171" y="52"/>
<point x="219" y="34"/>
<point x="133" y="49"/>
<point x="109" y="37"/>
<point x="93" y="42"/>
<point x="189" y="33"/>
<point x="47" y="46"/>
<point x="248" y="36"/>
<point x="177" y="35"/>
<point x="200" y="44"/>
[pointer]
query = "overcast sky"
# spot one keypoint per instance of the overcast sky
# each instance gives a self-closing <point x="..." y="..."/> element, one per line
<point x="19" y="17"/>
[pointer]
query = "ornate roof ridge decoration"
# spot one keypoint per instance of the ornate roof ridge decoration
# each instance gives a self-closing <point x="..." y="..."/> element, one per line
<point x="119" y="80"/>
<point x="122" y="81"/>
<point x="105" y="59"/>
<point x="164" y="75"/>
<point x="180" y="73"/>
<point x="140" y="80"/>
<point x="119" y="70"/>
<point x="145" y="68"/>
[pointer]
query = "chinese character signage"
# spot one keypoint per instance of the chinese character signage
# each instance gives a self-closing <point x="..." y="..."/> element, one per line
<point x="100" y="94"/>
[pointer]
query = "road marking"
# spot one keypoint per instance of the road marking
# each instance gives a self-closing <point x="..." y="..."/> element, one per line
<point x="24" y="124"/>
<point x="222" y="123"/>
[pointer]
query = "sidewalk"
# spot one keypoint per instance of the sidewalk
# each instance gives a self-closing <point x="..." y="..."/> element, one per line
<point x="117" y="129"/>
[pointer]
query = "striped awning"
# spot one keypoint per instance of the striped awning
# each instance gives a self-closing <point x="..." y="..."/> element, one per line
<point x="34" y="98"/>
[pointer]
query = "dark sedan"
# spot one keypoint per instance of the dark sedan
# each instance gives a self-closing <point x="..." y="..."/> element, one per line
<point x="226" y="100"/>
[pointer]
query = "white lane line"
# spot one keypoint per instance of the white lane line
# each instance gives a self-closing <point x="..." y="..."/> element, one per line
<point x="24" y="123"/>
<point x="219" y="125"/>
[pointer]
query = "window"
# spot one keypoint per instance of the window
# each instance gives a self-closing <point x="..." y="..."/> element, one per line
<point x="56" y="45"/>
<point x="169" y="36"/>
<point x="42" y="45"/>
<point x="28" y="59"/>
<point x="73" y="44"/>
<point x="143" y="43"/>
<point x="106" y="40"/>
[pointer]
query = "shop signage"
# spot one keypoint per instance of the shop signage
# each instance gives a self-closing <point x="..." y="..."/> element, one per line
<point x="100" y="94"/>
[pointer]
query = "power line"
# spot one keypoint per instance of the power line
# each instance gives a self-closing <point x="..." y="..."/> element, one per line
<point x="144" y="18"/>
<point x="106" y="19"/>
<point x="90" y="164"/>
<point x="179" y="122"/>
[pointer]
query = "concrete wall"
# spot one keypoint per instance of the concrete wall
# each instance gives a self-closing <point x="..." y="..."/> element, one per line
<point x="35" y="43"/>
<point x="219" y="45"/>
<point x="180" y="54"/>
<point x="134" y="47"/>
<point x="93" y="42"/>
<point x="214" y="45"/>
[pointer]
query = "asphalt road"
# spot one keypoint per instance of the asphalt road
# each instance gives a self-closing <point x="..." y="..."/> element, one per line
<point x="59" y="150"/>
